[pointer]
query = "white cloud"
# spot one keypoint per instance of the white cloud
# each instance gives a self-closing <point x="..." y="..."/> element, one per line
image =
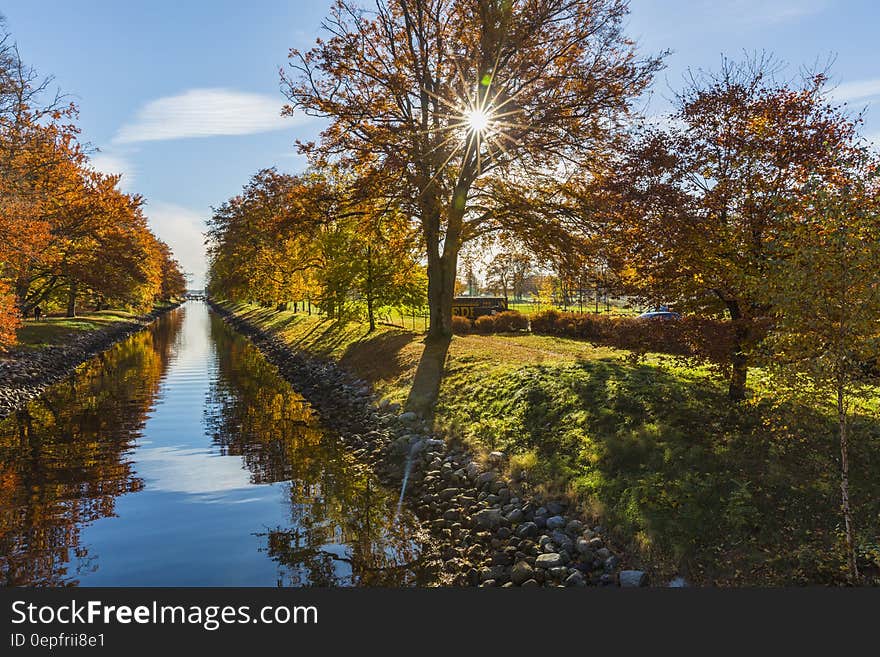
<point x="205" y="113"/>
<point x="112" y="163"/>
<point x="183" y="230"/>
<point x="856" y="90"/>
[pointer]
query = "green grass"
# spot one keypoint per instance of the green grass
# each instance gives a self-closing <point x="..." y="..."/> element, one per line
<point x="685" y="481"/>
<point x="617" y="307"/>
<point x="50" y="331"/>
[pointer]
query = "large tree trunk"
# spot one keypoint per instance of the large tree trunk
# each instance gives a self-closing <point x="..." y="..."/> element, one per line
<point x="843" y="430"/>
<point x="736" y="390"/>
<point x="739" y="365"/>
<point x="441" y="290"/>
<point x="443" y="267"/>
<point x="71" y="299"/>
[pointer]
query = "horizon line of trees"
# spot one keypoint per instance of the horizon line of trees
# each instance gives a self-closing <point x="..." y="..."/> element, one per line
<point x="68" y="235"/>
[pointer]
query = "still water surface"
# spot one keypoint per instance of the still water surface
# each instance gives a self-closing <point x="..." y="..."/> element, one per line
<point x="181" y="458"/>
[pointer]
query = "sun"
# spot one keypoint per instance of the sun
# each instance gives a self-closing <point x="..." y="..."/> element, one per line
<point x="478" y="120"/>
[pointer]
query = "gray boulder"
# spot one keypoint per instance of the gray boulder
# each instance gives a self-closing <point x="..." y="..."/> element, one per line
<point x="515" y="516"/>
<point x="574" y="527"/>
<point x="633" y="578"/>
<point x="575" y="579"/>
<point x="548" y="560"/>
<point x="521" y="572"/>
<point x="527" y="530"/>
<point x="555" y="522"/>
<point x="485" y="478"/>
<point x="488" y="519"/>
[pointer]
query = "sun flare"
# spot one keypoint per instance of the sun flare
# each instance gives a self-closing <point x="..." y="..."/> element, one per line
<point x="478" y="120"/>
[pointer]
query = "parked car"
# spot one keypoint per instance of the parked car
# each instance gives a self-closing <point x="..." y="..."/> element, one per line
<point x="661" y="313"/>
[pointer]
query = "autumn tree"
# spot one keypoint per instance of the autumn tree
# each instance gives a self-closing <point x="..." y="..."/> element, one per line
<point x="36" y="137"/>
<point x="67" y="232"/>
<point x="173" y="284"/>
<point x="499" y="274"/>
<point x="105" y="248"/>
<point x="521" y="267"/>
<point x="387" y="268"/>
<point x="825" y="294"/>
<point x="441" y="96"/>
<point x="263" y="242"/>
<point x="9" y="317"/>
<point x="693" y="209"/>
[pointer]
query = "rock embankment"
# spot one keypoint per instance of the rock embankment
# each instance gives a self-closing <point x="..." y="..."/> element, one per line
<point x="25" y="373"/>
<point x="485" y="534"/>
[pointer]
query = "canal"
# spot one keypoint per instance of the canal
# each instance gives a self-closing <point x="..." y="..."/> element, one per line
<point x="181" y="458"/>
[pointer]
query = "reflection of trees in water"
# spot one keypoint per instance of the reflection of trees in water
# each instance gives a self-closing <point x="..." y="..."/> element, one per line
<point x="343" y="530"/>
<point x="63" y="458"/>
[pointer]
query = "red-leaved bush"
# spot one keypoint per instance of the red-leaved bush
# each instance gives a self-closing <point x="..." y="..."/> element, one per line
<point x="701" y="337"/>
<point x="510" y="321"/>
<point x="485" y="324"/>
<point x="506" y="322"/>
<point x="461" y="325"/>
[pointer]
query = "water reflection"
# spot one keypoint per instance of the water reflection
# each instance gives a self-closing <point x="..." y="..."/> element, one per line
<point x="64" y="459"/>
<point x="180" y="458"/>
<point x="341" y="527"/>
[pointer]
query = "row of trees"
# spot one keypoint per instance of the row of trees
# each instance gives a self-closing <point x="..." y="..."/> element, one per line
<point x="314" y="239"/>
<point x="68" y="235"/>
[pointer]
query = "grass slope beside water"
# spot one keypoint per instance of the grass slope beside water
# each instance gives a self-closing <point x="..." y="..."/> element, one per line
<point x="57" y="330"/>
<point x="686" y="482"/>
<point x="53" y="331"/>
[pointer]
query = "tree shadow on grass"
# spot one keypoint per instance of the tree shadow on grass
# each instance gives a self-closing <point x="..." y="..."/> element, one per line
<point x="376" y="357"/>
<point x="425" y="389"/>
<point x="725" y="494"/>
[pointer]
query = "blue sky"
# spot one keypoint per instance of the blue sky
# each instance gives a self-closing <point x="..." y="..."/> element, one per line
<point x="183" y="97"/>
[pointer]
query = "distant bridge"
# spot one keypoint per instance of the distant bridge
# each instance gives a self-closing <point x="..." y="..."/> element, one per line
<point x="194" y="296"/>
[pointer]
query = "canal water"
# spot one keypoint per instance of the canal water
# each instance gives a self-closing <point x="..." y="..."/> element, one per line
<point x="181" y="458"/>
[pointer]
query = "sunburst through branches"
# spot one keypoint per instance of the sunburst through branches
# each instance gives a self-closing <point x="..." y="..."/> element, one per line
<point x="479" y="125"/>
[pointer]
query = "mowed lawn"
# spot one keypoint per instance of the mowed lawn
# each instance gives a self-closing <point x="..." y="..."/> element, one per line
<point x="686" y="482"/>
<point x="52" y="331"/>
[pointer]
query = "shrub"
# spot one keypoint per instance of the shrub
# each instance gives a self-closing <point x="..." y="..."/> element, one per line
<point x="702" y="337"/>
<point x="461" y="325"/>
<point x="485" y="324"/>
<point x="544" y="322"/>
<point x="511" y="320"/>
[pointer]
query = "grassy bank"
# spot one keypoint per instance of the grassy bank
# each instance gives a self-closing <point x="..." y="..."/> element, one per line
<point x="686" y="482"/>
<point x="55" y="330"/>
